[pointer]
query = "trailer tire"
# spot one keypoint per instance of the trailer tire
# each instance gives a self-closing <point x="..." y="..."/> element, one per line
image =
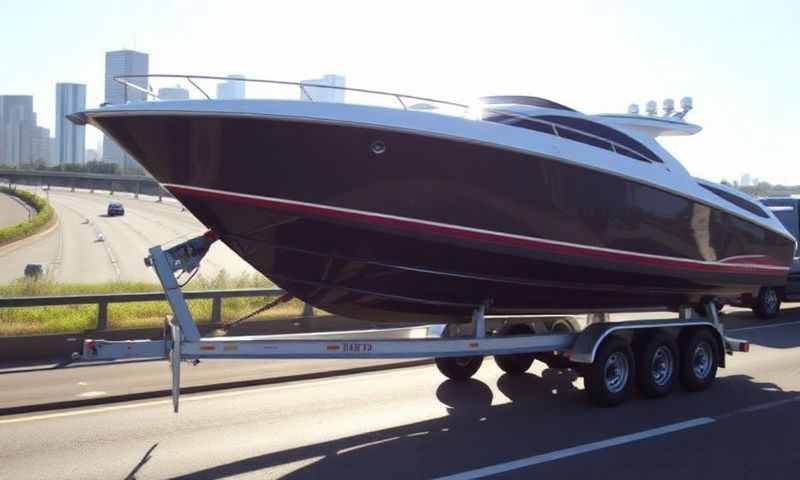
<point x="610" y="377"/>
<point x="459" y="368"/>
<point x="699" y="360"/>
<point x="657" y="362"/>
<point x="515" y="363"/>
<point x="551" y="359"/>
<point x="767" y="304"/>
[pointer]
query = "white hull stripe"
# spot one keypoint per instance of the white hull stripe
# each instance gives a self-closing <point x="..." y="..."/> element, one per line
<point x="478" y="234"/>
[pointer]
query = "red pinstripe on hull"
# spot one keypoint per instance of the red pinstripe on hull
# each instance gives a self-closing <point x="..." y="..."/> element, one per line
<point x="757" y="264"/>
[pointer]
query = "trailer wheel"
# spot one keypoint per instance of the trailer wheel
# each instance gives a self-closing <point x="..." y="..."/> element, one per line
<point x="767" y="304"/>
<point x="609" y="378"/>
<point x="657" y="362"/>
<point x="459" y="368"/>
<point x="699" y="360"/>
<point x="700" y="308"/>
<point x="515" y="363"/>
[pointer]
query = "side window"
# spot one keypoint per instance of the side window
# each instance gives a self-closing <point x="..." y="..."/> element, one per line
<point x="736" y="200"/>
<point x="608" y="133"/>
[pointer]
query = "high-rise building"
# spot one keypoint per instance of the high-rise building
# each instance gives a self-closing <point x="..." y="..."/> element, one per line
<point x="746" y="180"/>
<point x="40" y="146"/>
<point x="17" y="125"/>
<point x="121" y="63"/>
<point x="318" y="94"/>
<point x="70" y="138"/>
<point x="92" y="155"/>
<point x="173" y="93"/>
<point x="232" y="89"/>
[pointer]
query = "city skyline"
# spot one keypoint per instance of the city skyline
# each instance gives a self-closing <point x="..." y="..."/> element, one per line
<point x="232" y="89"/>
<point x="744" y="91"/>
<point x="17" y="128"/>
<point x="324" y="94"/>
<point x="118" y="63"/>
<point x="70" y="139"/>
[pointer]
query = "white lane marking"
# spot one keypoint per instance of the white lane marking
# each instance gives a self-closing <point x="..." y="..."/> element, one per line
<point x="569" y="452"/>
<point x="196" y="397"/>
<point x="759" y="327"/>
<point x="760" y="406"/>
<point x="365" y="445"/>
<point x="93" y="393"/>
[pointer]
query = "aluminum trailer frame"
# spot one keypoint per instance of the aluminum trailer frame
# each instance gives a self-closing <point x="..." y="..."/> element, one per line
<point x="183" y="342"/>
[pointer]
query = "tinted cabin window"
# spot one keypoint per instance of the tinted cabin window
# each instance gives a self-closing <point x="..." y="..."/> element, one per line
<point x="736" y="200"/>
<point x="606" y="132"/>
<point x="573" y="135"/>
<point x="637" y="151"/>
<point x="523" y="100"/>
<point x="521" y="122"/>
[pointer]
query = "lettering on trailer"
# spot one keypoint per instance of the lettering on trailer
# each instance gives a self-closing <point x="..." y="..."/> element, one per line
<point x="357" y="347"/>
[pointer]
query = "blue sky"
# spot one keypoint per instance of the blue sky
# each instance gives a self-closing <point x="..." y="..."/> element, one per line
<point x="739" y="60"/>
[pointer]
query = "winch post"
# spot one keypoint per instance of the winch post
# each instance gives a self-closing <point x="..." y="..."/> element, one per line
<point x="184" y="257"/>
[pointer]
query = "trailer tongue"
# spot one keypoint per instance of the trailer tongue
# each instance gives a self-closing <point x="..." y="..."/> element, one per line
<point x="609" y="355"/>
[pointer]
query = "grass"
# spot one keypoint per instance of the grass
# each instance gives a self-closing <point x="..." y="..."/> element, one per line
<point x="44" y="214"/>
<point x="76" y="318"/>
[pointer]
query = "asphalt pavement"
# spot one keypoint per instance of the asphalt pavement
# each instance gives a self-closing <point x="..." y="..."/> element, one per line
<point x="413" y="423"/>
<point x="12" y="210"/>
<point x="86" y="246"/>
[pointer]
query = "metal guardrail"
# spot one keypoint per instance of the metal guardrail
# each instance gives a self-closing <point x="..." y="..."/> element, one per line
<point x="91" y="181"/>
<point x="102" y="300"/>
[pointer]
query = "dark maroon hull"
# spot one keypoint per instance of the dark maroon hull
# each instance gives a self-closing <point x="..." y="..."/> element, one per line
<point x="432" y="227"/>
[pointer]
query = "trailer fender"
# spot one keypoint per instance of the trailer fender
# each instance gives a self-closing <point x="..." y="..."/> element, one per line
<point x="589" y="340"/>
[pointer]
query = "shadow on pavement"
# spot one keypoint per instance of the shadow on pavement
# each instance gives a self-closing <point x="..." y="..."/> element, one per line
<point x="538" y="415"/>
<point x="778" y="332"/>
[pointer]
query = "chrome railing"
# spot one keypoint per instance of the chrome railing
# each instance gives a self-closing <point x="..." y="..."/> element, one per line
<point x="480" y="110"/>
<point x="303" y="86"/>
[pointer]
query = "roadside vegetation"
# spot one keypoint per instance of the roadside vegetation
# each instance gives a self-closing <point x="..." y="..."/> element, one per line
<point x="76" y="318"/>
<point x="44" y="215"/>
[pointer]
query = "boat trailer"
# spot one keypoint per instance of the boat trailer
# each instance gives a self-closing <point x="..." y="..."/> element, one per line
<point x="608" y="354"/>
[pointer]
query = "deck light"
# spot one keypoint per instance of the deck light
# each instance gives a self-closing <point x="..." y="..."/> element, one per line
<point x="651" y="108"/>
<point x="633" y="109"/>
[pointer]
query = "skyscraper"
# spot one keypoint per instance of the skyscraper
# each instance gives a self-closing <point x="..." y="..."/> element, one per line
<point x="121" y="63"/>
<point x="40" y="146"/>
<point x="173" y="93"/>
<point x="746" y="180"/>
<point x="17" y="125"/>
<point x="70" y="138"/>
<point x="231" y="89"/>
<point x="324" y="94"/>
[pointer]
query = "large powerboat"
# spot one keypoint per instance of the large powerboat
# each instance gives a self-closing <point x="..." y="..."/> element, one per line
<point x="421" y="212"/>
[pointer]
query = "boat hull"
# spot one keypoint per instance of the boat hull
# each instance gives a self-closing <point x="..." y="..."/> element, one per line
<point x="387" y="225"/>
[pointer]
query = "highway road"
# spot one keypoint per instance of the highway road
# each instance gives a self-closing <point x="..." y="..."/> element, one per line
<point x="73" y="252"/>
<point x="412" y="423"/>
<point x="12" y="210"/>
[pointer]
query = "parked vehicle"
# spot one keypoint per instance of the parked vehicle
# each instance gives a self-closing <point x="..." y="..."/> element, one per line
<point x="767" y="303"/>
<point x="34" y="270"/>
<point x="115" y="208"/>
